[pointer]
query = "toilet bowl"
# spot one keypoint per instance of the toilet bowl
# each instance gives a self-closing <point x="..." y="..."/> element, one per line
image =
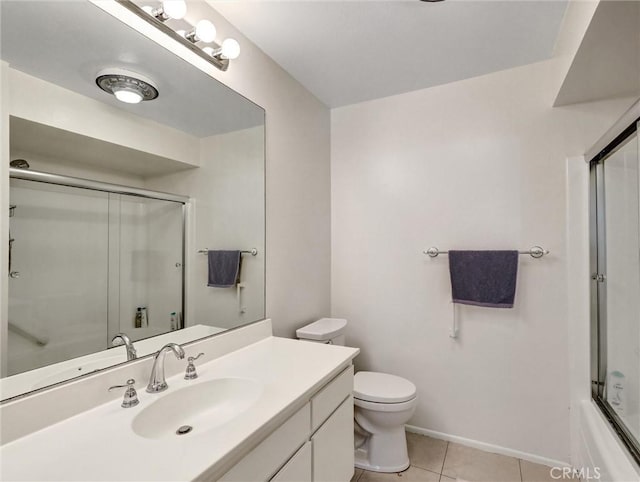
<point x="382" y="405"/>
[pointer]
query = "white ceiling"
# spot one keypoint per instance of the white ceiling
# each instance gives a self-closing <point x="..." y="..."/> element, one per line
<point x="352" y="51"/>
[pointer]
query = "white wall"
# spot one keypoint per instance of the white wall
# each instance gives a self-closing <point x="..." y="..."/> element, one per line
<point x="578" y="285"/>
<point x="477" y="164"/>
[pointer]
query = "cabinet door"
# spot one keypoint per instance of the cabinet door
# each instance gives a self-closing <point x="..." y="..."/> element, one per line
<point x="298" y="469"/>
<point x="333" y="446"/>
<point x="264" y="460"/>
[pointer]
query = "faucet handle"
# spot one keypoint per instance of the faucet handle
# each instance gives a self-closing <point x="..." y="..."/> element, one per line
<point x="130" y="394"/>
<point x="190" y="373"/>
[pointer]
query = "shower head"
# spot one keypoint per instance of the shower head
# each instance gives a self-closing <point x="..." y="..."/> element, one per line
<point x="19" y="163"/>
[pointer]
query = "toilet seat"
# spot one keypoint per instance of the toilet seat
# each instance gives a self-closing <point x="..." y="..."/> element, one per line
<point x="385" y="407"/>
<point x="382" y="388"/>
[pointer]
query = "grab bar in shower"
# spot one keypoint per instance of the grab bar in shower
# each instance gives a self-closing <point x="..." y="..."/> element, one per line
<point x="38" y="340"/>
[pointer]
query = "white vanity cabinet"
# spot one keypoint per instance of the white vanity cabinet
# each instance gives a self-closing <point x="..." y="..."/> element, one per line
<point x="315" y="444"/>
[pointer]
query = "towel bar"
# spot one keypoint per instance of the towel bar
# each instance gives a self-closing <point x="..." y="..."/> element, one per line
<point x="252" y="252"/>
<point x="534" y="252"/>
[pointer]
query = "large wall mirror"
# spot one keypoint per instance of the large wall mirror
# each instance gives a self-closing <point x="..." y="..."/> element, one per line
<point x="146" y="219"/>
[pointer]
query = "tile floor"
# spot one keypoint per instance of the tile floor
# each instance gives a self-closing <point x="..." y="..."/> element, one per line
<point x="435" y="460"/>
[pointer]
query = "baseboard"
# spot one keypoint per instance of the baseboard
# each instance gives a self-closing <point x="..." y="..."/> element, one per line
<point x="496" y="449"/>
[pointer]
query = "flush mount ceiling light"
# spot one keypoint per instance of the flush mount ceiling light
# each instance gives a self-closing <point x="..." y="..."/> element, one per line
<point x="203" y="32"/>
<point x="126" y="86"/>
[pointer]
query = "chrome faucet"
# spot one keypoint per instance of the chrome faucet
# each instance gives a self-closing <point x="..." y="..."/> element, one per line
<point x="123" y="339"/>
<point x="157" y="382"/>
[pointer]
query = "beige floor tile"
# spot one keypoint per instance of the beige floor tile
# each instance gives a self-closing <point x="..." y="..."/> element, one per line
<point x="444" y="478"/>
<point x="541" y="473"/>
<point x="412" y="474"/>
<point x="426" y="452"/>
<point x="356" y="475"/>
<point x="477" y="466"/>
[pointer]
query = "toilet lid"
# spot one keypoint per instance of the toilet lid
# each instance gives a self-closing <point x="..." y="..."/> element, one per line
<point x="322" y="330"/>
<point x="382" y="388"/>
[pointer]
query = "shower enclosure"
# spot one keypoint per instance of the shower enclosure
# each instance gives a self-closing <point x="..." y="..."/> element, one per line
<point x="615" y="286"/>
<point x="89" y="260"/>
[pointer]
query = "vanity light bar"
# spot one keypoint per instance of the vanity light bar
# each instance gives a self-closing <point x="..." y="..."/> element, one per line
<point x="218" y="61"/>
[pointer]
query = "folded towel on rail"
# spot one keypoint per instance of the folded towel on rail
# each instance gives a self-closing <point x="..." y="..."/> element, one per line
<point x="483" y="278"/>
<point x="224" y="268"/>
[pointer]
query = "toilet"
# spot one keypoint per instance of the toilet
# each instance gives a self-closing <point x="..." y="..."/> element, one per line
<point x="383" y="403"/>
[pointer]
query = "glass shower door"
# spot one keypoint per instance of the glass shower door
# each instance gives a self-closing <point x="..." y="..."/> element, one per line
<point x="146" y="253"/>
<point x="59" y="274"/>
<point x="616" y="283"/>
<point x="622" y="209"/>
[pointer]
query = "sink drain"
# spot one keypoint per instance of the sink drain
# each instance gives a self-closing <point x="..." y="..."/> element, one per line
<point x="185" y="429"/>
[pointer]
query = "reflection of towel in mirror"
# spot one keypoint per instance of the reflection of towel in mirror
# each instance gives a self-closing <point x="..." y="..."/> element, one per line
<point x="224" y="268"/>
<point x="483" y="278"/>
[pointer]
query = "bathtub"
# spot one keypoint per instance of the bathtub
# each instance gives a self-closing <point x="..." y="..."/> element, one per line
<point x="601" y="455"/>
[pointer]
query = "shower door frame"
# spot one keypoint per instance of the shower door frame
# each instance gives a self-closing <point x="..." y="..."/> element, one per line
<point x="57" y="179"/>
<point x="598" y="286"/>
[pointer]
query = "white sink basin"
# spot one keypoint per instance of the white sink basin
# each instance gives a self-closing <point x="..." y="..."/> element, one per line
<point x="202" y="406"/>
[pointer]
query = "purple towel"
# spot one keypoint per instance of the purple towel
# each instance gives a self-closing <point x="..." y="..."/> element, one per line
<point x="224" y="268"/>
<point x="483" y="278"/>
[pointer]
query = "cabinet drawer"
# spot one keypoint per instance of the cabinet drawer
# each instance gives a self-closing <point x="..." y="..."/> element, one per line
<point x="327" y="400"/>
<point x="298" y="469"/>
<point x="264" y="460"/>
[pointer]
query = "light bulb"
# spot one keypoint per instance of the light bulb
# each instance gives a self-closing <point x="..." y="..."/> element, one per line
<point x="205" y="31"/>
<point x="182" y="33"/>
<point x="230" y="48"/>
<point x="174" y="8"/>
<point x="148" y="9"/>
<point x="128" y="96"/>
<point x="208" y="50"/>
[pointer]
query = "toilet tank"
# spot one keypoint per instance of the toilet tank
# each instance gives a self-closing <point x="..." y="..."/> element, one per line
<point x="324" y="330"/>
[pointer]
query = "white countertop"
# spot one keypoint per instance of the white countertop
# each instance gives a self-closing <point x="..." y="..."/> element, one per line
<point x="100" y="444"/>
